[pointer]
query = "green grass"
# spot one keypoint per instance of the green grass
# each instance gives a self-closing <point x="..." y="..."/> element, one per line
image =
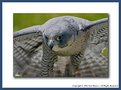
<point x="105" y="52"/>
<point x="23" y="20"/>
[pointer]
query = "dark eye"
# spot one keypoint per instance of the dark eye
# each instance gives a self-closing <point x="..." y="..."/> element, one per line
<point x="59" y="38"/>
<point x="83" y="30"/>
<point x="45" y="37"/>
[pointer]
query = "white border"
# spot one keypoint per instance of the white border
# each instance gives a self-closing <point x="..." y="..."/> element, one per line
<point x="7" y="68"/>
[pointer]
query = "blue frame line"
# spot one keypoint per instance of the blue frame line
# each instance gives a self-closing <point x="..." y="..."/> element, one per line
<point x="119" y="44"/>
<point x="1" y="44"/>
<point x="58" y="1"/>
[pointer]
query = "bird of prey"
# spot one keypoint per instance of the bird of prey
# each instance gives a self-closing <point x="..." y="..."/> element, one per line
<point x="65" y="46"/>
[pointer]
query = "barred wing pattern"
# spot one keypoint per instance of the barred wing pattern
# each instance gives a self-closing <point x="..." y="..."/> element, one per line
<point x="31" y="56"/>
<point x="33" y="59"/>
<point x="27" y="52"/>
<point x="95" y="64"/>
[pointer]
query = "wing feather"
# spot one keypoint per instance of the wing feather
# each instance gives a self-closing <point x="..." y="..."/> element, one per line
<point x="99" y="33"/>
<point x="95" y="63"/>
<point x="27" y="45"/>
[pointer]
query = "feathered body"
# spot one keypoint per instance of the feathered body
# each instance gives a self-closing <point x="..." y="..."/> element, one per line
<point x="78" y="40"/>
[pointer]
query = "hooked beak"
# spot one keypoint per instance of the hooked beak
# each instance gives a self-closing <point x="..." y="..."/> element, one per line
<point x="50" y="44"/>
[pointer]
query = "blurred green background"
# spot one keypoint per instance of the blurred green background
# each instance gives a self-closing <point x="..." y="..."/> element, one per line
<point x="23" y="20"/>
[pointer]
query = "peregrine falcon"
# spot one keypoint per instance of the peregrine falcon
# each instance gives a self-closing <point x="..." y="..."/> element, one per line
<point x="76" y="42"/>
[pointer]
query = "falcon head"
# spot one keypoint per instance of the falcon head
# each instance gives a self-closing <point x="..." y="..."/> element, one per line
<point x="60" y="33"/>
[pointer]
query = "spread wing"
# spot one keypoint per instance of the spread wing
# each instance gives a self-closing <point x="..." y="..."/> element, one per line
<point x="27" y="44"/>
<point x="28" y="51"/>
<point x="95" y="63"/>
<point x="99" y="35"/>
